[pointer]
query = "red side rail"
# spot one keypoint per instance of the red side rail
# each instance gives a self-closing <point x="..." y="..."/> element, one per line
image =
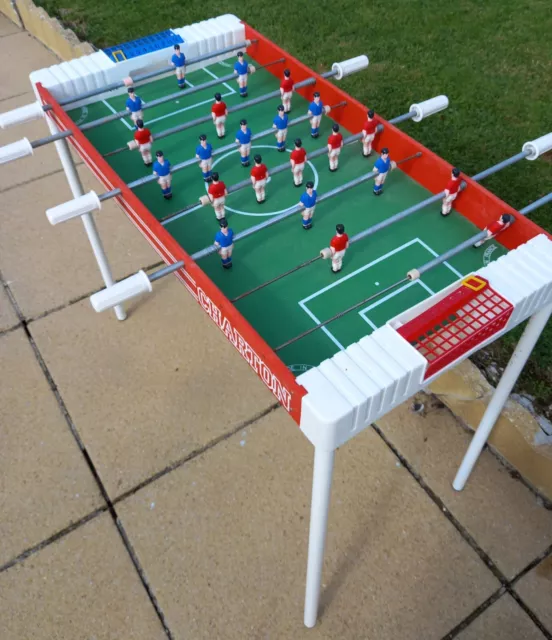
<point x="475" y="203"/>
<point x="268" y="366"/>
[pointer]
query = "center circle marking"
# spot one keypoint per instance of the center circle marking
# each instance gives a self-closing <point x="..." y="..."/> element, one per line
<point x="271" y="213"/>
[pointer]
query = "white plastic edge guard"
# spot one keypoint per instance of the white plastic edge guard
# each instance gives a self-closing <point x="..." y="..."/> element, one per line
<point x="539" y="146"/>
<point x="95" y="70"/>
<point x="349" y="391"/>
<point x="20" y="149"/>
<point x="125" y="290"/>
<point x="21" y="115"/>
<point x="352" y="65"/>
<point x="429" y="107"/>
<point x="74" y="208"/>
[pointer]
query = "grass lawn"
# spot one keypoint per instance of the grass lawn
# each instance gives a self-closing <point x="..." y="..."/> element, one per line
<point x="493" y="59"/>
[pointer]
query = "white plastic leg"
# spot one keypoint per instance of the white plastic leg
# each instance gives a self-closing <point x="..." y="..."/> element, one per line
<point x="320" y="506"/>
<point x="509" y="378"/>
<point x="87" y="219"/>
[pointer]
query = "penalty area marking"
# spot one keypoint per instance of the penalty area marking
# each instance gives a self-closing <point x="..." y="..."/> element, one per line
<point x="329" y="334"/>
<point x="269" y="213"/>
<point x="230" y="92"/>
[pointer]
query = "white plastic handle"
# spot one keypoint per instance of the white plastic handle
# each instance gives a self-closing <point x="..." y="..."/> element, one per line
<point x="21" y="115"/>
<point x="15" y="150"/>
<point x="352" y="65"/>
<point x="539" y="146"/>
<point x="429" y="107"/>
<point x="125" y="290"/>
<point x="74" y="208"/>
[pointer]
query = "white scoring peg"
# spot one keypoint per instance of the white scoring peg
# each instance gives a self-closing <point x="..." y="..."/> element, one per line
<point x="537" y="147"/>
<point x="28" y="113"/>
<point x="128" y="288"/>
<point x="352" y="65"/>
<point x="15" y="150"/>
<point x="429" y="107"/>
<point x="79" y="206"/>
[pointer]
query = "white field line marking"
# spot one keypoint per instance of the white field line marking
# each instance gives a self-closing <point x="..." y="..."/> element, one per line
<point x="364" y="313"/>
<point x="434" y="253"/>
<point x="302" y="303"/>
<point x="192" y="106"/>
<point x="360" y="270"/>
<point x="184" y="213"/>
<point x="224" y="84"/>
<point x="173" y="113"/>
<point x="128" y="126"/>
<point x="324" y="329"/>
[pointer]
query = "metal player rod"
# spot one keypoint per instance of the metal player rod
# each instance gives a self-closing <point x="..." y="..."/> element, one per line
<point x="414" y="274"/>
<point x="36" y="110"/>
<point x="257" y="136"/>
<point x="152" y="74"/>
<point x="438" y="196"/>
<point x="139" y="283"/>
<point x="121" y="114"/>
<point x="238" y="107"/>
<point x="168" y="98"/>
<point x="508" y="380"/>
<point x="282" y="216"/>
<point x="92" y="201"/>
<point x="386" y="223"/>
<point x="278" y="169"/>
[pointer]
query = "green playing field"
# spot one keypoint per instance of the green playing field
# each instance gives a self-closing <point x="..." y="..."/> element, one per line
<point x="314" y="294"/>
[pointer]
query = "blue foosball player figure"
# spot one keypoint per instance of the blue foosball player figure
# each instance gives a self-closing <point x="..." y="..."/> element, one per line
<point x="162" y="169"/>
<point x="178" y="61"/>
<point x="224" y="242"/>
<point x="204" y="154"/>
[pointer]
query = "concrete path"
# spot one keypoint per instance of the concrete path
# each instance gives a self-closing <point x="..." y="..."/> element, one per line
<point x="151" y="489"/>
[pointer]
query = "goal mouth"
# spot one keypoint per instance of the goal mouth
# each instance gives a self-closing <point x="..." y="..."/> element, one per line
<point x="468" y="316"/>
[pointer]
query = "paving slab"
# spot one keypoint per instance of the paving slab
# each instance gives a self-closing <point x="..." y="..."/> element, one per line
<point x="25" y="54"/>
<point x="49" y="266"/>
<point x="223" y="540"/>
<point x="7" y="27"/>
<point x="45" y="483"/>
<point x="503" y="620"/>
<point x="82" y="587"/>
<point x="8" y="317"/>
<point x="147" y="392"/>
<point x="44" y="160"/>
<point x="535" y="588"/>
<point x="506" y="519"/>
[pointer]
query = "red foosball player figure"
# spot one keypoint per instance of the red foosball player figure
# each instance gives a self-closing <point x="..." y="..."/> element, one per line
<point x="297" y="158"/>
<point x="451" y="191"/>
<point x="217" y="195"/>
<point x="338" y="246"/>
<point x="219" y="112"/>
<point x="368" y="134"/>
<point x="286" y="90"/>
<point x="142" y="141"/>
<point x="259" y="176"/>
<point x="335" y="143"/>
<point x="505" y="220"/>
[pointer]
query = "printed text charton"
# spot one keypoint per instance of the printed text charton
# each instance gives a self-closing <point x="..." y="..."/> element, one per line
<point x="245" y="349"/>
